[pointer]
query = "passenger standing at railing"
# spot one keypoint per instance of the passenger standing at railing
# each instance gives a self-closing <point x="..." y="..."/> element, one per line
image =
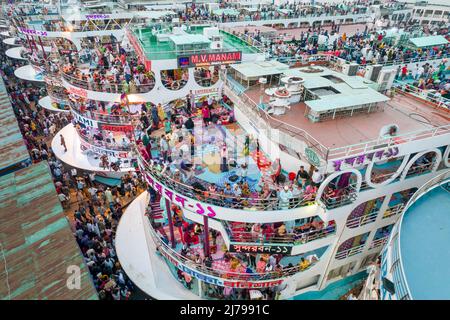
<point x="284" y="197"/>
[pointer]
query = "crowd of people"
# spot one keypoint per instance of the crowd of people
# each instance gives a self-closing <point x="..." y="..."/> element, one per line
<point x="166" y="140"/>
<point x="200" y="12"/>
<point x="111" y="67"/>
<point x="92" y="209"/>
<point x="363" y="47"/>
<point x="219" y="261"/>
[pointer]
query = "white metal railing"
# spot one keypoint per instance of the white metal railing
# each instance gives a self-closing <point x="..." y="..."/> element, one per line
<point x="112" y="87"/>
<point x="363" y="220"/>
<point x="219" y="199"/>
<point x="428" y="185"/>
<point x="378" y="242"/>
<point x="173" y="255"/>
<point x="125" y="119"/>
<point x="436" y="99"/>
<point x="272" y="238"/>
<point x="419" y="169"/>
<point x="250" y="107"/>
<point x="373" y="145"/>
<point x="392" y="211"/>
<point x="349" y="252"/>
<point x="378" y="179"/>
<point x="347" y="196"/>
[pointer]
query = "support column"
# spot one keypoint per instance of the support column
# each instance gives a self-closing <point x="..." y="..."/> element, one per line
<point x="169" y="217"/>
<point x="42" y="46"/>
<point x="206" y="231"/>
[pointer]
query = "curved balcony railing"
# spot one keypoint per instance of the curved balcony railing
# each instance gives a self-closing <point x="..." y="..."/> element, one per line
<point x="347" y="195"/>
<point x="349" y="252"/>
<point x="378" y="242"/>
<point x="204" y="81"/>
<point x="288" y="238"/>
<point x="171" y="254"/>
<point x="222" y="200"/>
<point x="416" y="170"/>
<point x="378" y="179"/>
<point x="125" y="119"/>
<point x="103" y="143"/>
<point x="112" y="87"/>
<point x="363" y="220"/>
<point x="392" y="211"/>
<point x="57" y="95"/>
<point x="174" y="85"/>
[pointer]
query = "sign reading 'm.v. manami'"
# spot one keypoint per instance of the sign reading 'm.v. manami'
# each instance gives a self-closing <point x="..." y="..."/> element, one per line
<point x="209" y="59"/>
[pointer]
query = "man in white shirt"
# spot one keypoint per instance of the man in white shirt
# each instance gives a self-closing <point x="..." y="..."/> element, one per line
<point x="92" y="191"/>
<point x="109" y="196"/>
<point x="317" y="177"/>
<point x="73" y="173"/>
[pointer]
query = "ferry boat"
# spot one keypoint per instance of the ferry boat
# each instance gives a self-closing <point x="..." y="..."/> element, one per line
<point x="283" y="179"/>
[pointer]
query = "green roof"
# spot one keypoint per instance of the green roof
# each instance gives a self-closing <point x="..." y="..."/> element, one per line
<point x="429" y="41"/>
<point x="37" y="244"/>
<point x="185" y="39"/>
<point x="13" y="151"/>
<point x="157" y="50"/>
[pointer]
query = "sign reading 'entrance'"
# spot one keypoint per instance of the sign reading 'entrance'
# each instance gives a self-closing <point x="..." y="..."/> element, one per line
<point x="209" y="59"/>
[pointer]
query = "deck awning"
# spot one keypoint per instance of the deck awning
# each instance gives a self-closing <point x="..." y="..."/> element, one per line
<point x="255" y="70"/>
<point x="227" y="12"/>
<point x="430" y="41"/>
<point x="111" y="182"/>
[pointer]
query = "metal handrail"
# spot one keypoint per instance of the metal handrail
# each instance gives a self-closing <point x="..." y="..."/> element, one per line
<point x="108" y="118"/>
<point x="407" y="61"/>
<point x="113" y="86"/>
<point x="341" y="200"/>
<point x="103" y="144"/>
<point x="363" y="220"/>
<point x="415" y="169"/>
<point x="365" y="186"/>
<point x="422" y="94"/>
<point x="349" y="252"/>
<point x="181" y="260"/>
<point x="387" y="142"/>
<point x="394" y="210"/>
<point x="222" y="200"/>
<point x="271" y="238"/>
<point x="378" y="242"/>
<point x="247" y="104"/>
